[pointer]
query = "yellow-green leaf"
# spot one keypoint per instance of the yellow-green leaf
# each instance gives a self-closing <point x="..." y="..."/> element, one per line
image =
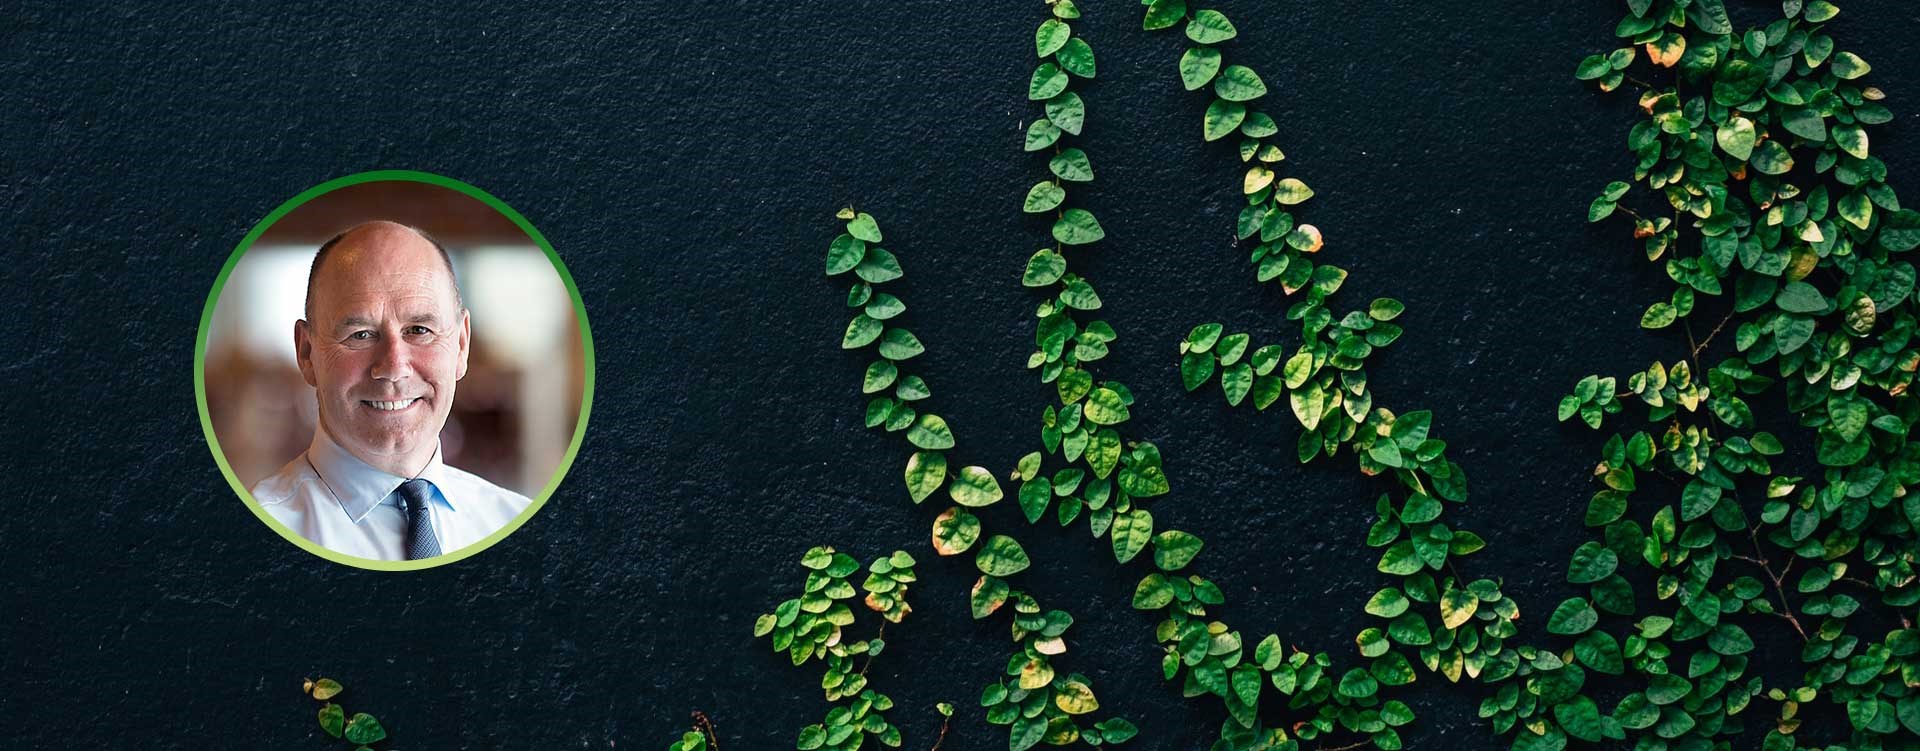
<point x="1291" y="191"/>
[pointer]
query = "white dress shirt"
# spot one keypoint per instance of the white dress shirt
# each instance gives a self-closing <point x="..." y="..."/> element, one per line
<point x="331" y="497"/>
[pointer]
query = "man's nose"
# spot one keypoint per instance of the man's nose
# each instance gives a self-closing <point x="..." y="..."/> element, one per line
<point x="390" y="361"/>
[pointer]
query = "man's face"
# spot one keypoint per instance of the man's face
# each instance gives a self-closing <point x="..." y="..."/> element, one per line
<point x="386" y="341"/>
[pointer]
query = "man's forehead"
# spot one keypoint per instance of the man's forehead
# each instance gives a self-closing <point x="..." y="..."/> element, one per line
<point x="401" y="302"/>
<point x="390" y="269"/>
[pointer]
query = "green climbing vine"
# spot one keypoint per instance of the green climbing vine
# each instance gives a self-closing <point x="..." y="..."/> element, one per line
<point x="1783" y="223"/>
<point x="1206" y="657"/>
<point x="1451" y="624"/>
<point x="812" y="627"/>
<point x="1781" y="217"/>
<point x="1765" y="87"/>
<point x="1035" y="700"/>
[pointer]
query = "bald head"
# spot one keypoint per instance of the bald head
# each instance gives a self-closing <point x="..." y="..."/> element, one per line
<point x="379" y="244"/>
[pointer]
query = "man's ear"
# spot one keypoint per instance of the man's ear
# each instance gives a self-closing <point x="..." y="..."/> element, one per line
<point x="303" y="351"/>
<point x="466" y="343"/>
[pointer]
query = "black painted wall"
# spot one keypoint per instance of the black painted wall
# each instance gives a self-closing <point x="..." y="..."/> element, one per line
<point x="685" y="160"/>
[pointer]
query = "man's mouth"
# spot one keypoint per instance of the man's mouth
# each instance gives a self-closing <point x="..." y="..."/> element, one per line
<point x="390" y="406"/>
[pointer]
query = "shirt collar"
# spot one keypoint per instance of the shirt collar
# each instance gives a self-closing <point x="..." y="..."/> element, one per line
<point x="358" y="486"/>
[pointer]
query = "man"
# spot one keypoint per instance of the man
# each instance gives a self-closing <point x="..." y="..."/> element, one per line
<point x="384" y="341"/>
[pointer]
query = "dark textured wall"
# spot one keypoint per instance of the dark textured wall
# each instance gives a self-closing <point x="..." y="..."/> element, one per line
<point x="685" y="160"/>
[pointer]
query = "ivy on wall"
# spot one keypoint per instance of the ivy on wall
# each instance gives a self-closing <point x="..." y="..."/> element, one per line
<point x="1754" y="188"/>
<point x="812" y="627"/>
<point x="1806" y="262"/>
<point x="1761" y="200"/>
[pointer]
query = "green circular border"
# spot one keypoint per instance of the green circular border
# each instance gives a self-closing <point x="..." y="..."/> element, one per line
<point x="220" y="283"/>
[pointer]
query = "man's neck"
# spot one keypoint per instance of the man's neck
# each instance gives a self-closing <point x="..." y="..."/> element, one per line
<point x="409" y="465"/>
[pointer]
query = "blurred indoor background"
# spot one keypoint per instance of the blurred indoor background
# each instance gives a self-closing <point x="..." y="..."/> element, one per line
<point x="513" y="414"/>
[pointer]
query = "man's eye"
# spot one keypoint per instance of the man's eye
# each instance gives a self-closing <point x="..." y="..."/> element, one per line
<point x="360" y="335"/>
<point x="418" y="330"/>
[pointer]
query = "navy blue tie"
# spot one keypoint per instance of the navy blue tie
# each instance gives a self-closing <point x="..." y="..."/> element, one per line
<point x="415" y="495"/>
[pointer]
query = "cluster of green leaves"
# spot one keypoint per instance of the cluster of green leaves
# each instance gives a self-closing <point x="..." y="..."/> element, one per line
<point x="957" y="530"/>
<point x="846" y="727"/>
<point x="1766" y="100"/>
<point x="1085" y="432"/>
<point x="1324" y="379"/>
<point x="1037" y="703"/>
<point x="811" y="626"/>
<point x="1452" y="626"/>
<point x="1082" y="430"/>
<point x="1282" y="250"/>
<point x="886" y="585"/>
<point x="361" y="730"/>
<point x="1063" y="58"/>
<point x="1783" y="219"/>
<point x="858" y="251"/>
<point x="1592" y="399"/>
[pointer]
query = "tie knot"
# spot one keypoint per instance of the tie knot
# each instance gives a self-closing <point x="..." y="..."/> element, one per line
<point x="414" y="494"/>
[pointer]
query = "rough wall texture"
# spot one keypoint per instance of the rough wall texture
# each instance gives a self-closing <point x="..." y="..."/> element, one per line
<point x="685" y="161"/>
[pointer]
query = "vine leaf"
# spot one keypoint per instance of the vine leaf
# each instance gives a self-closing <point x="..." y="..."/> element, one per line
<point x="1131" y="533"/>
<point x="1077" y="58"/>
<point x="325" y="688"/>
<point x="1736" y="137"/>
<point x="1710" y="16"/>
<point x="931" y="432"/>
<point x="954" y="531"/>
<point x="1077" y="227"/>
<point x="1044" y="268"/>
<point x="364" y="729"/>
<point x="1075" y="697"/>
<point x="1221" y="118"/>
<point x="1291" y="191"/>
<point x="844" y="254"/>
<point x="333" y="719"/>
<point x="1051" y="37"/>
<point x="975" y="487"/>
<point x="1238" y="83"/>
<point x="1210" y="27"/>
<point x="1001" y="556"/>
<point x="1106" y="407"/>
<point x="926" y="472"/>
<point x="1174" y="549"/>
<point x="864" y="227"/>
<point x="1572" y="618"/>
<point x="1067" y="112"/>
<point x="1198" y="67"/>
<point x="1163" y="14"/>
<point x="1043" y="197"/>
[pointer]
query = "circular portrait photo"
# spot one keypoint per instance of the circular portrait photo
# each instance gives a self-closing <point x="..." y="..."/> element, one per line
<point x="394" y="370"/>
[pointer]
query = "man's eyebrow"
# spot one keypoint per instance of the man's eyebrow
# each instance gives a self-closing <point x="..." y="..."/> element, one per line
<point x="360" y="322"/>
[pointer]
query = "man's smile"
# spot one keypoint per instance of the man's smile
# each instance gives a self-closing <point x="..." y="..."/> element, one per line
<point x="392" y="406"/>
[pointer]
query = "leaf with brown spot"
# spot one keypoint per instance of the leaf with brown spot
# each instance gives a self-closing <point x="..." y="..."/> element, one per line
<point x="954" y="531"/>
<point x="988" y="594"/>
<point x="1667" y="50"/>
<point x="1035" y="674"/>
<point x="1306" y="239"/>
<point x="325" y="688"/>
